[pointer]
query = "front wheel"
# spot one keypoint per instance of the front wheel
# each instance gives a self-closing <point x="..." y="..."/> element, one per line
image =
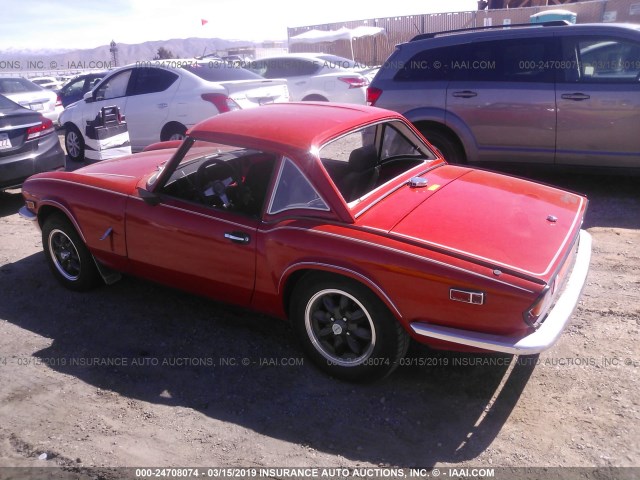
<point x="74" y="143"/>
<point x="345" y="329"/>
<point x="67" y="256"/>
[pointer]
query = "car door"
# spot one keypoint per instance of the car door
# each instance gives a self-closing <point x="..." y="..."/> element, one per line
<point x="504" y="92"/>
<point x="152" y="90"/>
<point x="204" y="250"/>
<point x="599" y="102"/>
<point x="111" y="92"/>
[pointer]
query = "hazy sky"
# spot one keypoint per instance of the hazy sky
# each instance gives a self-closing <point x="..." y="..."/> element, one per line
<point x="40" y="24"/>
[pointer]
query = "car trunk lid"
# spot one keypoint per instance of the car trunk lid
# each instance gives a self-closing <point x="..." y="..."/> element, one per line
<point x="499" y="221"/>
<point x="253" y="93"/>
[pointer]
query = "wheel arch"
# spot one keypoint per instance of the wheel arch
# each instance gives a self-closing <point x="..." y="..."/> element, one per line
<point x="447" y="123"/>
<point x="169" y="126"/>
<point x="51" y="207"/>
<point x="297" y="272"/>
<point x="315" y="97"/>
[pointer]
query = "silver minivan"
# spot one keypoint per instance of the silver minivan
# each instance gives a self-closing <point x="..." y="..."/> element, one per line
<point x="549" y="93"/>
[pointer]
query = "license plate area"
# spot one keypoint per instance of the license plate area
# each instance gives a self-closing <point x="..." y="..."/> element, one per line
<point x="5" y="141"/>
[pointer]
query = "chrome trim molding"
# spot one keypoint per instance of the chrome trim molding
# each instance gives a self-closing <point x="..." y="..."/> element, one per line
<point x="367" y="280"/>
<point x="541" y="339"/>
<point x="401" y="252"/>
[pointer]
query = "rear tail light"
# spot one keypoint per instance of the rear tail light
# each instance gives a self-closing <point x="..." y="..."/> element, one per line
<point x="373" y="94"/>
<point x="58" y="101"/>
<point x="37" y="131"/>
<point x="354" y="82"/>
<point x="540" y="307"/>
<point x="221" y="102"/>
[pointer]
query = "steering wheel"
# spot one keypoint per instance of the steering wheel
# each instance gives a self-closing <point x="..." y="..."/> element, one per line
<point x="213" y="177"/>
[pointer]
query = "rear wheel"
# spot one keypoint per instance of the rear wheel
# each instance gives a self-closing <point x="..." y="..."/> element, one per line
<point x="67" y="256"/>
<point x="449" y="146"/>
<point x="173" y="131"/>
<point x="345" y="329"/>
<point x="315" y="98"/>
<point x="74" y="143"/>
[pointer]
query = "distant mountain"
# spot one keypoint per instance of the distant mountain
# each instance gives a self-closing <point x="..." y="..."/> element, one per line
<point x="99" y="58"/>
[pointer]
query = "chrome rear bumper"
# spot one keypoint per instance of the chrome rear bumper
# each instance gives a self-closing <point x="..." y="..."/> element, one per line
<point x="541" y="339"/>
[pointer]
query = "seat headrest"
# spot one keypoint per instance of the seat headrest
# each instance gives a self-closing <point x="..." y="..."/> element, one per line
<point x="363" y="158"/>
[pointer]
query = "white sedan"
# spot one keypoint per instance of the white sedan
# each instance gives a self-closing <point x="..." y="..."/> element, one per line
<point x="32" y="96"/>
<point x="162" y="99"/>
<point x="316" y="76"/>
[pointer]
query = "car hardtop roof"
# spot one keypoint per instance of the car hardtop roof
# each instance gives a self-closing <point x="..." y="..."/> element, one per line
<point x="559" y="25"/>
<point x="286" y="126"/>
<point x="306" y="55"/>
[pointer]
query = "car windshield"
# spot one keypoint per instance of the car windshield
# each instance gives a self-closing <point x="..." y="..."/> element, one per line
<point x="17" y="85"/>
<point x="213" y="71"/>
<point x="363" y="160"/>
<point x="225" y="177"/>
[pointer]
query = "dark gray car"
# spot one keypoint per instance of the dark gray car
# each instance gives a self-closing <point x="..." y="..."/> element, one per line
<point x="545" y="93"/>
<point x="28" y="144"/>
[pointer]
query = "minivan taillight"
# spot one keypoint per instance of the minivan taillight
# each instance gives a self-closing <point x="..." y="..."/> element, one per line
<point x="373" y="94"/>
<point x="37" y="131"/>
<point x="221" y="102"/>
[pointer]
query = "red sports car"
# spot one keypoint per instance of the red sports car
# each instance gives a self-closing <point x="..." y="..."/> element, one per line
<point x="341" y="219"/>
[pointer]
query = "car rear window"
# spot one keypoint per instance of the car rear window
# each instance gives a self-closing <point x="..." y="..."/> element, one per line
<point x="17" y="85"/>
<point x="221" y="72"/>
<point x="6" y="104"/>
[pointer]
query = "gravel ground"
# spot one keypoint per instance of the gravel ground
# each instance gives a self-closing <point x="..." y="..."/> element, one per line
<point x="196" y="383"/>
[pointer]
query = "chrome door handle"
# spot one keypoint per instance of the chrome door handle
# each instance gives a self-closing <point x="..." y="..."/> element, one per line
<point x="465" y="94"/>
<point x="575" y="96"/>
<point x="163" y="105"/>
<point x="237" y="237"/>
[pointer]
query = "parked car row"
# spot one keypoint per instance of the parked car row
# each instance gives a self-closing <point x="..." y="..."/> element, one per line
<point x="162" y="100"/>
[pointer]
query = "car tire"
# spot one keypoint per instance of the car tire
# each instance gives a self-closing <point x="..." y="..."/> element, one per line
<point x="68" y="257"/>
<point x="449" y="147"/>
<point x="346" y="330"/>
<point x="315" y="98"/>
<point x="173" y="131"/>
<point x="74" y="143"/>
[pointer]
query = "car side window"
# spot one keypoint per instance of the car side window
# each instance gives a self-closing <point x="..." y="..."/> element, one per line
<point x="426" y="66"/>
<point x="603" y="60"/>
<point x="293" y="190"/>
<point x="152" y="80"/>
<point x="514" y="60"/>
<point x="75" y="87"/>
<point x="114" y="87"/>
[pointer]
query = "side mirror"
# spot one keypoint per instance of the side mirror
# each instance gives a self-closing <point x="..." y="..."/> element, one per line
<point x="88" y="97"/>
<point x="149" y="198"/>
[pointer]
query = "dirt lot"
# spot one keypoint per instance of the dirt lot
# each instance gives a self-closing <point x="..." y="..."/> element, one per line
<point x="195" y="383"/>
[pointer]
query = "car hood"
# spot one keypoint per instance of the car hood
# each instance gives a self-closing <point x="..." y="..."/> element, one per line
<point x="124" y="173"/>
<point x="503" y="222"/>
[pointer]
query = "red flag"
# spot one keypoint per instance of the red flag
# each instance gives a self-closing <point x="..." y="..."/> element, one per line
<point x="204" y="22"/>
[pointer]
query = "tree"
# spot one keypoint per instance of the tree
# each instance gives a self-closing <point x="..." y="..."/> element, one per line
<point x="163" y="54"/>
